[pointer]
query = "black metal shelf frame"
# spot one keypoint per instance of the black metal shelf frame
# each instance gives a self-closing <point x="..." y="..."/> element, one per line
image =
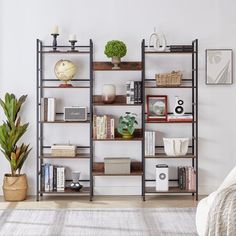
<point x="194" y="90"/>
<point x="40" y="145"/>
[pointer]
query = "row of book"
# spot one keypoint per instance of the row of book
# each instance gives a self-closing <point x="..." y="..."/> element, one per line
<point x="187" y="177"/>
<point x="48" y="110"/>
<point x="181" y="48"/>
<point x="52" y="178"/>
<point x="180" y="118"/>
<point x="150" y="143"/>
<point x="103" y="127"/>
<point x="133" y="92"/>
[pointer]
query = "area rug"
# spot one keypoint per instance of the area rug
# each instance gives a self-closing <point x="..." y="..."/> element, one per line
<point x="98" y="222"/>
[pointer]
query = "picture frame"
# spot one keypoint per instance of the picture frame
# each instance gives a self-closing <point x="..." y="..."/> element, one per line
<point x="157" y="108"/>
<point x="219" y="66"/>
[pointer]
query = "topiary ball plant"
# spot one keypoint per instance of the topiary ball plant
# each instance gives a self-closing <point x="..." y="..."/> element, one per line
<point x="115" y="48"/>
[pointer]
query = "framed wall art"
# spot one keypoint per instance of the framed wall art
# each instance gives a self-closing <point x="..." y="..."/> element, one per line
<point x="156" y="107"/>
<point x="219" y="66"/>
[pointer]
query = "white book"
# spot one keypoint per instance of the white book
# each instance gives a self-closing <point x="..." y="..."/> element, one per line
<point x="128" y="92"/>
<point x="153" y="142"/>
<point x="147" y="143"/>
<point x="131" y="92"/>
<point x="51" y="109"/>
<point x="98" y="126"/>
<point x="112" y="120"/>
<point x="150" y="143"/>
<point x="60" y="179"/>
<point x="42" y="118"/>
<point x="50" y="177"/>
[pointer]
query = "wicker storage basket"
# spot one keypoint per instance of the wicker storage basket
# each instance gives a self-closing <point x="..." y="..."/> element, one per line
<point x="15" y="188"/>
<point x="169" y="79"/>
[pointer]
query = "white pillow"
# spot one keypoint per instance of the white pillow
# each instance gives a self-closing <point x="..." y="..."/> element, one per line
<point x="229" y="180"/>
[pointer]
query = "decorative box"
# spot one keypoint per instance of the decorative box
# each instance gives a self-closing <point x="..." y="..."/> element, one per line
<point x="75" y="113"/>
<point x="162" y="177"/>
<point x="117" y="165"/>
<point x="65" y="150"/>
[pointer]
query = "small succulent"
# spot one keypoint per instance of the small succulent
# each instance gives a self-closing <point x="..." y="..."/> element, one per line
<point x="115" y="48"/>
<point x="127" y="122"/>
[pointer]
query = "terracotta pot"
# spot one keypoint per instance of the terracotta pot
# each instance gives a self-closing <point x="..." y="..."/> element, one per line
<point x="15" y="187"/>
<point x="115" y="61"/>
<point x="127" y="135"/>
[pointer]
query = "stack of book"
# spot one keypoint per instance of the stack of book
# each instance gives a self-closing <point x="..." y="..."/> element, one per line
<point x="103" y="127"/>
<point x="52" y="178"/>
<point x="48" y="109"/>
<point x="181" y="48"/>
<point x="187" y="178"/>
<point x="182" y="118"/>
<point x="150" y="143"/>
<point x="65" y="150"/>
<point x="133" y="92"/>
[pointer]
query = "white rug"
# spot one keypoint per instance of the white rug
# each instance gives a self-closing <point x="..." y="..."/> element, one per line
<point x="99" y="222"/>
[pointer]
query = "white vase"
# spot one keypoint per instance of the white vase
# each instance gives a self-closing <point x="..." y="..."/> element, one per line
<point x="108" y="93"/>
<point x="176" y="146"/>
<point x="115" y="61"/>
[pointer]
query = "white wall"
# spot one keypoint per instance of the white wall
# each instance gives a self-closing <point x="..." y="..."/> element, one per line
<point x="211" y="21"/>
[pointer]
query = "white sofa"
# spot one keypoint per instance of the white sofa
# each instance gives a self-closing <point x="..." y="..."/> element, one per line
<point x="205" y="204"/>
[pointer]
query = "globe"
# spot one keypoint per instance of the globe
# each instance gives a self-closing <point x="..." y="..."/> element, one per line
<point x="65" y="70"/>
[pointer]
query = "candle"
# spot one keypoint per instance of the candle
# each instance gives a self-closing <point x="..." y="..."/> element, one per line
<point x="72" y="37"/>
<point x="55" y="30"/>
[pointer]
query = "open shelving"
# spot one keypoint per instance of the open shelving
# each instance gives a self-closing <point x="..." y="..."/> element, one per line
<point x="42" y="147"/>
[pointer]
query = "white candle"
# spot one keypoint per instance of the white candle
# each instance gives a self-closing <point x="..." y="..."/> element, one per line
<point x="55" y="30"/>
<point x="72" y="37"/>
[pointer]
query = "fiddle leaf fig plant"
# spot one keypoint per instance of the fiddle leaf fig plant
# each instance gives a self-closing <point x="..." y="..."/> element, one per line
<point x="127" y="123"/>
<point x="115" y="48"/>
<point x="11" y="131"/>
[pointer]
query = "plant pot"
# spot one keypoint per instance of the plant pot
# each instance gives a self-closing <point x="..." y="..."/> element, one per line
<point x="15" y="187"/>
<point x="115" y="61"/>
<point x="126" y="135"/>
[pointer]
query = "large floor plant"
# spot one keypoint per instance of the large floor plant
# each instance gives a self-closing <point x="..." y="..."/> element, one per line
<point x="10" y="133"/>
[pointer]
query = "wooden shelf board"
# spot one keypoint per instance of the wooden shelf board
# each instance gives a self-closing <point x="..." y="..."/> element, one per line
<point x="171" y="190"/>
<point x="78" y="156"/>
<point x="84" y="190"/>
<point x="64" y="122"/>
<point x="164" y="156"/>
<point x="135" y="169"/>
<point x="65" y="52"/>
<point x="119" y="101"/>
<point x="107" y="66"/>
<point x="57" y="87"/>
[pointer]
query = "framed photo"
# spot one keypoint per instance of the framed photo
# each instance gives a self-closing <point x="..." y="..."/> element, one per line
<point x="156" y="107"/>
<point x="219" y="66"/>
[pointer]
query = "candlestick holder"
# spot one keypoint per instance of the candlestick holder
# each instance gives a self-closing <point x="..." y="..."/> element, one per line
<point x="73" y="45"/>
<point x="54" y="42"/>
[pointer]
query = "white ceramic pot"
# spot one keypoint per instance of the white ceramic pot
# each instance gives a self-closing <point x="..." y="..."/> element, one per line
<point x="176" y="146"/>
<point x="108" y="93"/>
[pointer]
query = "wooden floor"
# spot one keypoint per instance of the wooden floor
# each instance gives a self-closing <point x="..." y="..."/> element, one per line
<point x="102" y="202"/>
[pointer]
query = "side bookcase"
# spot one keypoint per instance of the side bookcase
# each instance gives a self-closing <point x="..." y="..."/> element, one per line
<point x="43" y="84"/>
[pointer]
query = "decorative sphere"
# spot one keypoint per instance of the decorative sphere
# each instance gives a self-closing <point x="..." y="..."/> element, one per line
<point x="65" y="70"/>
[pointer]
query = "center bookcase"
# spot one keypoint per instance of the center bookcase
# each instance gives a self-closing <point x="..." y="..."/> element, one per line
<point x="138" y="168"/>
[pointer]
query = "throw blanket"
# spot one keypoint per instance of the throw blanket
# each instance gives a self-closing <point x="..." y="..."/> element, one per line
<point x="222" y="214"/>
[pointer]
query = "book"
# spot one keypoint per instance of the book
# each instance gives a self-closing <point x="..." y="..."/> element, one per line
<point x="131" y="92"/>
<point x="51" y="109"/>
<point x="46" y="179"/>
<point x="43" y="177"/>
<point x="139" y="92"/>
<point x="45" y="107"/>
<point x="54" y="178"/>
<point x="60" y="179"/>
<point x="135" y="92"/>
<point x="184" y="118"/>
<point x="128" y="92"/>
<point x="50" y="178"/>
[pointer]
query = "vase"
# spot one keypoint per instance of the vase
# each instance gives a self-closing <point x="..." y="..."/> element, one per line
<point x="15" y="187"/>
<point x="115" y="61"/>
<point x="108" y="93"/>
<point x="127" y="135"/>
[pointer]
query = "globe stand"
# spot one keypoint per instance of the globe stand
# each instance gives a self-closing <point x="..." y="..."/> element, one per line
<point x="65" y="85"/>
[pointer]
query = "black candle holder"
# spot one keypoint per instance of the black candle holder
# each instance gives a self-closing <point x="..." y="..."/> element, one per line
<point x="73" y="45"/>
<point x="54" y="42"/>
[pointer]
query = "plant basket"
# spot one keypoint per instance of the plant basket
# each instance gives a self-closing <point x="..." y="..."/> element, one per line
<point x="169" y="79"/>
<point x="15" y="187"/>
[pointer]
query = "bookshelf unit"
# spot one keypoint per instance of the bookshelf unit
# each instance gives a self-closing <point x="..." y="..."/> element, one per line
<point x="42" y="85"/>
<point x="192" y="85"/>
<point x="136" y="166"/>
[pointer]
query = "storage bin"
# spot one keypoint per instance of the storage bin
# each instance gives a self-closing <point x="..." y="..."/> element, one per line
<point x="176" y="146"/>
<point x="117" y="165"/>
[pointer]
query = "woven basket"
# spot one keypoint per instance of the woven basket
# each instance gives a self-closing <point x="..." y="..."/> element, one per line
<point x="15" y="188"/>
<point x="169" y="79"/>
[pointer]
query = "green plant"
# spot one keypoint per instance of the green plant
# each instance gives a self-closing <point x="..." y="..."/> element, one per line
<point x="127" y="122"/>
<point x="115" y="48"/>
<point x="11" y="131"/>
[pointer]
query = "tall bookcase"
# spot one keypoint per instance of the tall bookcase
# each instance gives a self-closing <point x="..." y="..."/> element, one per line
<point x="136" y="166"/>
<point x="192" y="85"/>
<point x="44" y="83"/>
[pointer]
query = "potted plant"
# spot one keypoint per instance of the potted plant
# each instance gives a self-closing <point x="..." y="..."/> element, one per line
<point x="14" y="184"/>
<point x="127" y="124"/>
<point x="115" y="49"/>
